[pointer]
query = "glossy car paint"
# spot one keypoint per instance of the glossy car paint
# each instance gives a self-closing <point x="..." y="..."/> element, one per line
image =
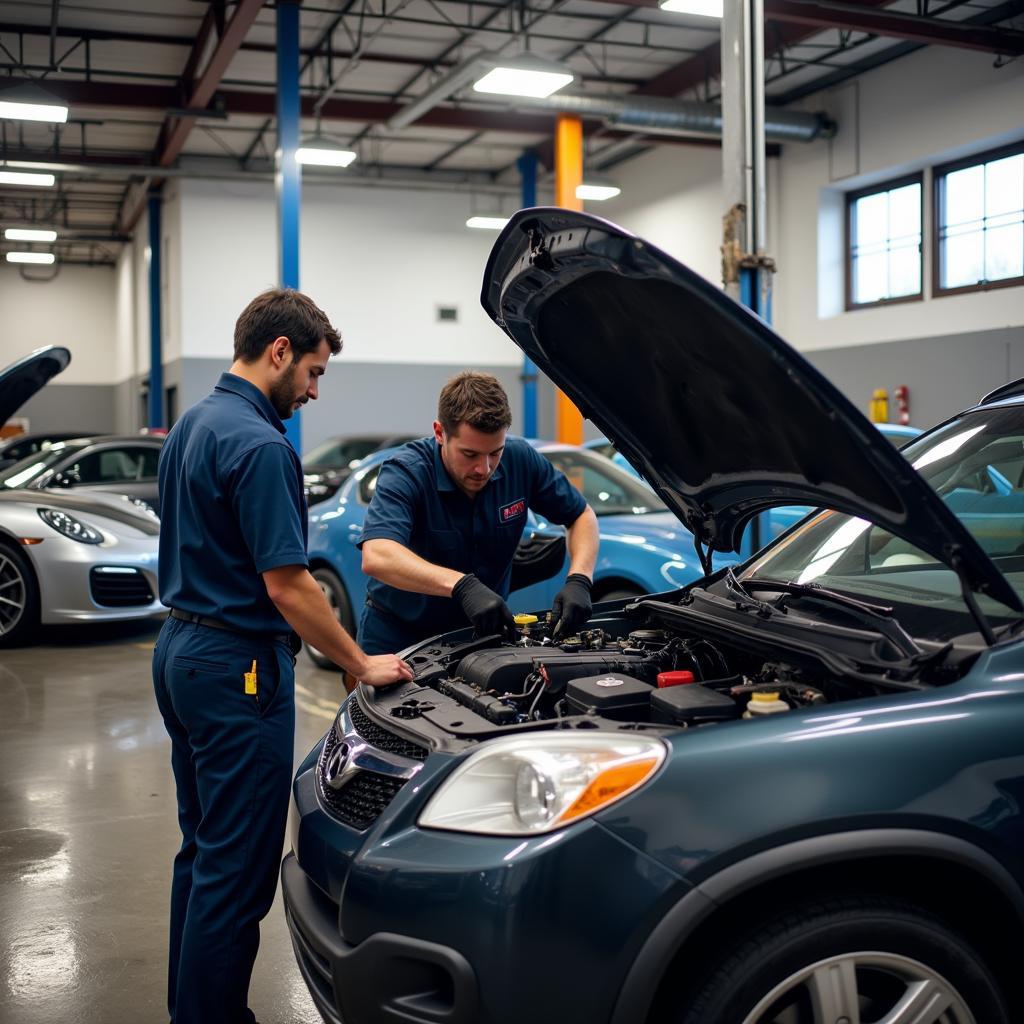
<point x="917" y="793"/>
<point x="62" y="565"/>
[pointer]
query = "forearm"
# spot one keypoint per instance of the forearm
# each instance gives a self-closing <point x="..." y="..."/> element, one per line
<point x="582" y="540"/>
<point x="394" y="564"/>
<point x="298" y="597"/>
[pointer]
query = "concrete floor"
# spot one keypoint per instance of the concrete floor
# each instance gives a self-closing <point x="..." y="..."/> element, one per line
<point x="88" y="830"/>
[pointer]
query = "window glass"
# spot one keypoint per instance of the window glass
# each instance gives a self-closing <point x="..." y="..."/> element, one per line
<point x="607" y="489"/>
<point x="885" y="244"/>
<point x="113" y="465"/>
<point x="981" y="223"/>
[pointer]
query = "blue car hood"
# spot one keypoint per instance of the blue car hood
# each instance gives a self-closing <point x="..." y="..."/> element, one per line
<point x="717" y="412"/>
<point x="21" y="380"/>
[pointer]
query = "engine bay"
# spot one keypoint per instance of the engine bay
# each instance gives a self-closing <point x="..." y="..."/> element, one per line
<point x="655" y="673"/>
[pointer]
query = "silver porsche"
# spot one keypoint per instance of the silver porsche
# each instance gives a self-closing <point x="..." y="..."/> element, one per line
<point x="69" y="557"/>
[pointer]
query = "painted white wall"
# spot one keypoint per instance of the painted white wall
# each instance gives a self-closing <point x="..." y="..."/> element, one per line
<point x="378" y="261"/>
<point x="934" y="105"/>
<point x="76" y="309"/>
<point x="672" y="196"/>
<point x="124" y="314"/>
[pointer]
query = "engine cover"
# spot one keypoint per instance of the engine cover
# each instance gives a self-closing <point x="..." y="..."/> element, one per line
<point x="505" y="669"/>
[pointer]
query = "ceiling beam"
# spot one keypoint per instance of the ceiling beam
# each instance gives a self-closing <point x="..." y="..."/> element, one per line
<point x="199" y="92"/>
<point x="941" y="32"/>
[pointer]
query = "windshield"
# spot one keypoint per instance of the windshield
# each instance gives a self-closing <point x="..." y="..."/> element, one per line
<point x="338" y="452"/>
<point x="608" y="489"/>
<point x="976" y="464"/>
<point x="23" y="472"/>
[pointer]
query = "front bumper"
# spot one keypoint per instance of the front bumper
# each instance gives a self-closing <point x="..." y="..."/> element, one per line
<point x="388" y="978"/>
<point x="398" y="923"/>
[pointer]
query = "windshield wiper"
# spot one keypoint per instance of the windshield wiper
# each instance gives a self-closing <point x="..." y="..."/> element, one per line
<point x="743" y="597"/>
<point x="881" y="616"/>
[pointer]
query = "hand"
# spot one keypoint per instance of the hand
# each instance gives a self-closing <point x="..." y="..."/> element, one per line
<point x="571" y="608"/>
<point x="384" y="669"/>
<point x="483" y="607"/>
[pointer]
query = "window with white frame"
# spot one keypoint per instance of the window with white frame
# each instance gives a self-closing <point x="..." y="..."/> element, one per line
<point x="979" y="207"/>
<point x="884" y="243"/>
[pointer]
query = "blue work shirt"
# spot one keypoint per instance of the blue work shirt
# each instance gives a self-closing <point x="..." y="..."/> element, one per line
<point x="417" y="504"/>
<point x="232" y="506"/>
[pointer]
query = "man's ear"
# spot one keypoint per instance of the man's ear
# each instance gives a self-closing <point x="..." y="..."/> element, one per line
<point x="438" y="432"/>
<point x="279" y="349"/>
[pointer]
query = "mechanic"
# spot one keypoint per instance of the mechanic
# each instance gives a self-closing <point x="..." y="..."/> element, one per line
<point x="446" y="517"/>
<point x="233" y="571"/>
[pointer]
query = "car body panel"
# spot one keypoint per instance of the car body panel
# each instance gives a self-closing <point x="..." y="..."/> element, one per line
<point x="602" y="313"/>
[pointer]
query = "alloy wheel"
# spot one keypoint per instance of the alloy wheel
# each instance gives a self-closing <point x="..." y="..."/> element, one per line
<point x="863" y="988"/>
<point x="13" y="594"/>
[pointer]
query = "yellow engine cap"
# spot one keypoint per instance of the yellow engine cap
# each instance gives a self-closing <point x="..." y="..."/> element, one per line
<point x="762" y="697"/>
<point x="524" y="619"/>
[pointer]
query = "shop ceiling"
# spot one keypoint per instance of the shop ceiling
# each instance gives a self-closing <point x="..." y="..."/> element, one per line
<point x="179" y="87"/>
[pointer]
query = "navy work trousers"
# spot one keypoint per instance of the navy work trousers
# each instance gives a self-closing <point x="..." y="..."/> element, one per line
<point x="231" y="753"/>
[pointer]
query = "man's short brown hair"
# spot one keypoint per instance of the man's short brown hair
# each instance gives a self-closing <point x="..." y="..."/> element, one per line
<point x="283" y="312"/>
<point x="474" y="398"/>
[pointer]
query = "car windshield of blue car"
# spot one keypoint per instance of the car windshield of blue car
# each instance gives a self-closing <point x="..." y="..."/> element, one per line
<point x="30" y="468"/>
<point x="608" y="489"/>
<point x="340" y="452"/>
<point x="976" y="464"/>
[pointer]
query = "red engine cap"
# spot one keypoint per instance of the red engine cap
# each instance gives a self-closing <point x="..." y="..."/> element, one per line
<point x="675" y="679"/>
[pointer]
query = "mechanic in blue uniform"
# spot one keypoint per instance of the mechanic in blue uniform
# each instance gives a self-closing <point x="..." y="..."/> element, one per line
<point x="445" y="519"/>
<point x="233" y="572"/>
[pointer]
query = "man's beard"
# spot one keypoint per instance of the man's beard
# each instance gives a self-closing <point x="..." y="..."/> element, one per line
<point x="282" y="393"/>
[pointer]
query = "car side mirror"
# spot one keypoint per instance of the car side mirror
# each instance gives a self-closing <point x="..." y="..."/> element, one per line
<point x="67" y="479"/>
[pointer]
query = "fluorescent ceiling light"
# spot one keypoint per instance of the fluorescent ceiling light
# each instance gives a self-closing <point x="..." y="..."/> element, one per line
<point x="26" y="178"/>
<point x="29" y="235"/>
<point x="31" y="103"/>
<point x="525" y="76"/>
<point x="324" y="156"/>
<point x="30" y="257"/>
<point x="704" y="8"/>
<point x="487" y="223"/>
<point x="597" y="190"/>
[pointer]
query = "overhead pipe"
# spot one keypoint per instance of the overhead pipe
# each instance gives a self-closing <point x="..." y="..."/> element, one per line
<point x="650" y="115"/>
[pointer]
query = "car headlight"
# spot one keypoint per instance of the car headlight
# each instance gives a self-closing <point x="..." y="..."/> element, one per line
<point x="68" y="525"/>
<point x="527" y="785"/>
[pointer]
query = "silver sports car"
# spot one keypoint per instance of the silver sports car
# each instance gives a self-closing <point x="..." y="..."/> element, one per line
<point x="67" y="557"/>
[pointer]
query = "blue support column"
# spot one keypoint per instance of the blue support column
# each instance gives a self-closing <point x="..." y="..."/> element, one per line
<point x="527" y="165"/>
<point x="287" y="179"/>
<point x="156" y="348"/>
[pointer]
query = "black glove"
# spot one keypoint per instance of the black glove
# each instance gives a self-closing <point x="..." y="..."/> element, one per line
<point x="488" y="613"/>
<point x="571" y="608"/>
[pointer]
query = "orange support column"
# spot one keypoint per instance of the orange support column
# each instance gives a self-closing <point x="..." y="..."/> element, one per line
<point x="568" y="174"/>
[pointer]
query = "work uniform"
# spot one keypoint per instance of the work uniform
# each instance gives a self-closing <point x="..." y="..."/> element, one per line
<point x="232" y="507"/>
<point x="417" y="504"/>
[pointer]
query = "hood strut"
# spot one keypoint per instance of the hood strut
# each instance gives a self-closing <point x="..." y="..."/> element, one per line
<point x="703" y="555"/>
<point x="956" y="561"/>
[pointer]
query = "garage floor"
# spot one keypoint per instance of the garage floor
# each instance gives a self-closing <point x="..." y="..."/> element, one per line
<point x="88" y="830"/>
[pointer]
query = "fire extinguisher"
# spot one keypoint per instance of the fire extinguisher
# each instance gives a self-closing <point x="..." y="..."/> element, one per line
<point x="879" y="406"/>
<point x="902" y="396"/>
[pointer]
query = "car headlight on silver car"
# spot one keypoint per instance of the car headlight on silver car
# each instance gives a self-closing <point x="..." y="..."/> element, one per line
<point x="67" y="524"/>
<point x="527" y="785"/>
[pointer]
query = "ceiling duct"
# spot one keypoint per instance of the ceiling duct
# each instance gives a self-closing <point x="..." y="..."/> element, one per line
<point x="648" y="115"/>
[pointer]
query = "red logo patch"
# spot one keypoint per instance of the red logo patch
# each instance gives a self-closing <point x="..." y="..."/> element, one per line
<point x="513" y="510"/>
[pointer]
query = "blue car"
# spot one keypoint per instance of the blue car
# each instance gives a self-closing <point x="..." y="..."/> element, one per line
<point x="643" y="547"/>
<point x="789" y="792"/>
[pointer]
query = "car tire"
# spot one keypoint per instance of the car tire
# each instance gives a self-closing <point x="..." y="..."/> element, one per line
<point x="848" y="958"/>
<point x="337" y="598"/>
<point x="19" y="610"/>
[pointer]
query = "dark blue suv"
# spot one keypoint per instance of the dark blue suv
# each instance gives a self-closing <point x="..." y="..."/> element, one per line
<point x="788" y="793"/>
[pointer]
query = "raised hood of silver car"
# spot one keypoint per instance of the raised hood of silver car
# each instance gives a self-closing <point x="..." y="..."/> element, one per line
<point x="720" y="415"/>
<point x="21" y="380"/>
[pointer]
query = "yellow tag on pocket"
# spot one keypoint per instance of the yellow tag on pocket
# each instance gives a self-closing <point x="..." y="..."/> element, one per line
<point x="250" y="680"/>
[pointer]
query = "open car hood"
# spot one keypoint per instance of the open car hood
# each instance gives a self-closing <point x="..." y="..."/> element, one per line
<point x="717" y="412"/>
<point x="21" y="380"/>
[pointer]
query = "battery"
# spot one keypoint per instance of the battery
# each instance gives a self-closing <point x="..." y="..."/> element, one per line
<point x="612" y="694"/>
